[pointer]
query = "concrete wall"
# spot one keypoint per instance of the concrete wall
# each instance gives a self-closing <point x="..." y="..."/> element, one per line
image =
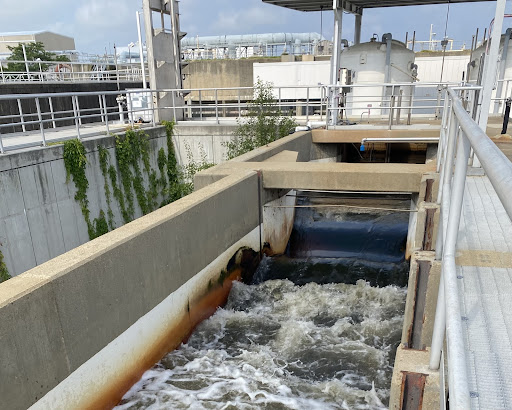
<point x="39" y="217"/>
<point x="220" y="74"/>
<point x="59" y="315"/>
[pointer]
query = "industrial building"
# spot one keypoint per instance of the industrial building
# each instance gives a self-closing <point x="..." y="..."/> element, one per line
<point x="51" y="41"/>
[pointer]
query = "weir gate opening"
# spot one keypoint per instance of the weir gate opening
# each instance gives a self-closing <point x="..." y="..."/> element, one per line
<point x="314" y="328"/>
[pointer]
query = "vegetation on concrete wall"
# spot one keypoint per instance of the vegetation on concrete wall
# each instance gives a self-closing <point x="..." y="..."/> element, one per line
<point x="4" y="273"/>
<point x="263" y="123"/>
<point x="125" y="177"/>
<point x="76" y="162"/>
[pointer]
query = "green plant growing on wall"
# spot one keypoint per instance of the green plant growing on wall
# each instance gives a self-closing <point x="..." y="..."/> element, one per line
<point x="75" y="162"/>
<point x="263" y="124"/>
<point x="131" y="151"/>
<point x="4" y="273"/>
<point x="104" y="161"/>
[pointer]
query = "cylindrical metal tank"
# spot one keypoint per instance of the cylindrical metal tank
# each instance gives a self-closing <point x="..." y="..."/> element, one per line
<point x="387" y="61"/>
<point x="504" y="74"/>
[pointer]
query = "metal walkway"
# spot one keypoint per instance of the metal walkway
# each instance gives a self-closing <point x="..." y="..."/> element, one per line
<point x="484" y="272"/>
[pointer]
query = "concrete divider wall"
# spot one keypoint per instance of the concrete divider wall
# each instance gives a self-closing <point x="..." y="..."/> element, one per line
<point x="57" y="316"/>
<point x="39" y="216"/>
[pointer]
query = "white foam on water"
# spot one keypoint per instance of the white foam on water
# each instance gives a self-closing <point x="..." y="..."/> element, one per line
<point x="280" y="346"/>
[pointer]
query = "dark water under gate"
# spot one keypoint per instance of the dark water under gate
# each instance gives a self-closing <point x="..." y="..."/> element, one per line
<point x="316" y="329"/>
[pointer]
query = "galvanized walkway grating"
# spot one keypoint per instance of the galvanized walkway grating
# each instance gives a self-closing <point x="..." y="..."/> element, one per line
<point x="484" y="269"/>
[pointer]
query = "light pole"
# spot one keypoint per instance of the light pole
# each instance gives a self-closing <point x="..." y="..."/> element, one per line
<point x="130" y="46"/>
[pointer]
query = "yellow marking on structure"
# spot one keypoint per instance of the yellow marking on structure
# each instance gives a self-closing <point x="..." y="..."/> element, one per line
<point x="489" y="259"/>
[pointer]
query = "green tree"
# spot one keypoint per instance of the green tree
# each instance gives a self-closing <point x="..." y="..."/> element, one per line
<point x="263" y="124"/>
<point x="34" y="51"/>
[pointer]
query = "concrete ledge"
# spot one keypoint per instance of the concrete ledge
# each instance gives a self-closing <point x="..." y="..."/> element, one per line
<point x="354" y="136"/>
<point x="414" y="361"/>
<point x="327" y="176"/>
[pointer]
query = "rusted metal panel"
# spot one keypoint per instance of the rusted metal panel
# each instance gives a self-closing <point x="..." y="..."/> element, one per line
<point x="413" y="386"/>
<point x="428" y="238"/>
<point x="420" y="299"/>
<point x="429" y="190"/>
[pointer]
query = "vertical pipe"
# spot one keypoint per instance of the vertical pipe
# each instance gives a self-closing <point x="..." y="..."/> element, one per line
<point x="50" y="102"/>
<point x="152" y="108"/>
<point x="40" y="119"/>
<point x="141" y="52"/>
<point x="77" y="125"/>
<point x="391" y="107"/>
<point x="307" y="104"/>
<point x="501" y="74"/>
<point x="239" y="105"/>
<point x="200" y="105"/>
<point x="174" y="106"/>
<point x="22" y="118"/>
<point x="105" y="110"/>
<point x="26" y="61"/>
<point x="130" y="108"/>
<point x="357" y="30"/>
<point x="490" y="65"/>
<point x="458" y="381"/>
<point x="101" y="108"/>
<point x="335" y="61"/>
<point x="217" y="106"/>
<point x="413" y="40"/>
<point x="1" y="145"/>
<point x="78" y="110"/>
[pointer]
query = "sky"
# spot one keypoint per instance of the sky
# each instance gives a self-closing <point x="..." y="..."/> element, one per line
<point x="97" y="25"/>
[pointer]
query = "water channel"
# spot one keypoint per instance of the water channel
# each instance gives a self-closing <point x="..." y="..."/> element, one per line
<point x="315" y="329"/>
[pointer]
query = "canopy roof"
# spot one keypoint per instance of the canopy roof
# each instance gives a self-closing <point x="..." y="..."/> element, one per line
<point x="355" y="6"/>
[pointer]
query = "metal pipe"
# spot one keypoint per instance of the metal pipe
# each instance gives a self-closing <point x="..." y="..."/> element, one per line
<point x="50" y="102"/>
<point x="40" y="118"/>
<point x="496" y="165"/>
<point x="335" y="60"/>
<point x="458" y="377"/>
<point x="501" y="74"/>
<point x="491" y="63"/>
<point x="141" y="52"/>
<point x="21" y="115"/>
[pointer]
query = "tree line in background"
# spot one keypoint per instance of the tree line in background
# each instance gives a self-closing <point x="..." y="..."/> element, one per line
<point x="34" y="52"/>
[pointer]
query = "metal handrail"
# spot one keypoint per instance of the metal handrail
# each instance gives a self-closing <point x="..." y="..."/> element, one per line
<point x="205" y="104"/>
<point x="462" y="133"/>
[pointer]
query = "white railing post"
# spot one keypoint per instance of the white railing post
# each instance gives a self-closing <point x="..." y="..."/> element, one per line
<point x="216" y="106"/>
<point x="40" y="119"/>
<point x="50" y="102"/>
<point x="1" y="144"/>
<point x="77" y="124"/>
<point x="105" y="110"/>
<point x="22" y="118"/>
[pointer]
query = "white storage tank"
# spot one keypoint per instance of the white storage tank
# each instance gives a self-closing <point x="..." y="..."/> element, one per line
<point x="386" y="61"/>
<point x="503" y="87"/>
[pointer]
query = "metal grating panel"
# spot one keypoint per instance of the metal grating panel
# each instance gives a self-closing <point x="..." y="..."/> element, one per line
<point x="485" y="295"/>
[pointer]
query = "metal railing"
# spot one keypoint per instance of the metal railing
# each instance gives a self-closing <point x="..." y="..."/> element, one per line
<point x="387" y="104"/>
<point x="459" y="134"/>
<point x="49" y="71"/>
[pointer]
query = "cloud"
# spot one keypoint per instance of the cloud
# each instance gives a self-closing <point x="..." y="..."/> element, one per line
<point x="247" y="20"/>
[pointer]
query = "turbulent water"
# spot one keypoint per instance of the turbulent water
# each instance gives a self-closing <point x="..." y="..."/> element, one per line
<point x="296" y="338"/>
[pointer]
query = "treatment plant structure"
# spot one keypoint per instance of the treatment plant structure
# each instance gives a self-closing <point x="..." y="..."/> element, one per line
<point x="384" y="182"/>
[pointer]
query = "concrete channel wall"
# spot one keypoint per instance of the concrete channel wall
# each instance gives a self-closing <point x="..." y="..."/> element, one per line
<point x="79" y="330"/>
<point x="39" y="216"/>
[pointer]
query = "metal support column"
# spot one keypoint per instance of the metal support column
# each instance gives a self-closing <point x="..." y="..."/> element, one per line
<point x="501" y="74"/>
<point x="489" y="71"/>
<point x="335" y="60"/>
<point x="357" y="29"/>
